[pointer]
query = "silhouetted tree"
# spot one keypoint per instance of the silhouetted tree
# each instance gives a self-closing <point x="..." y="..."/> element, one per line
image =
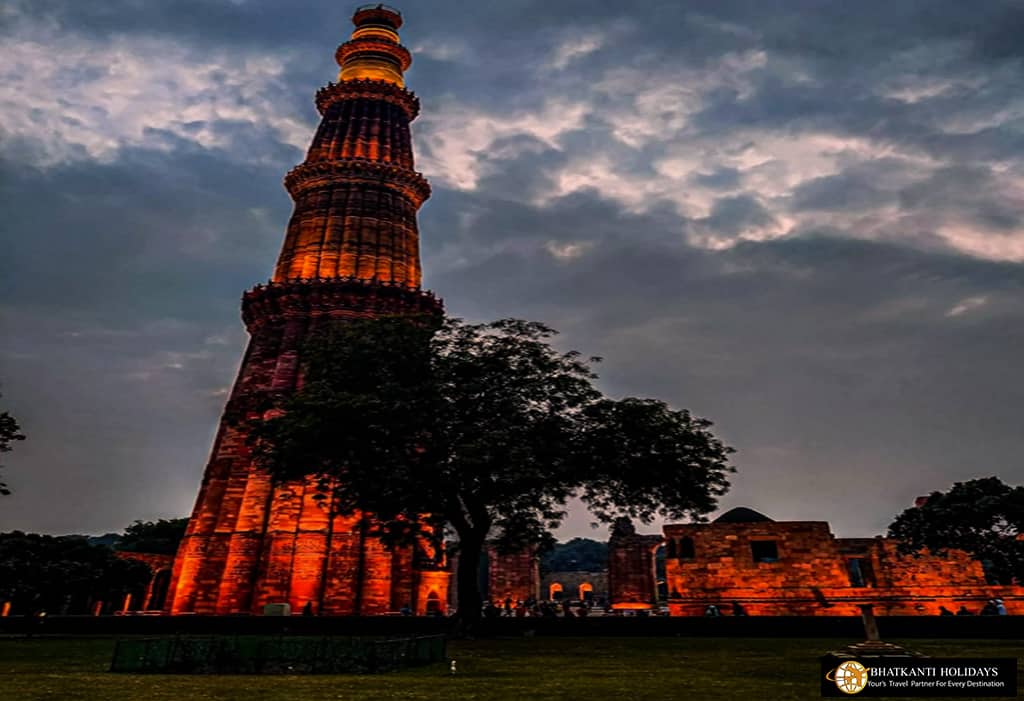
<point x="59" y="573"/>
<point x="486" y="428"/>
<point x="161" y="537"/>
<point x="983" y="517"/>
<point x="9" y="433"/>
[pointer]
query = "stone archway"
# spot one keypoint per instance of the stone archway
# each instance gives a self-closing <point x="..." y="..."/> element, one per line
<point x="433" y="603"/>
<point x="555" y="591"/>
<point x="586" y="591"/>
<point x="158" y="590"/>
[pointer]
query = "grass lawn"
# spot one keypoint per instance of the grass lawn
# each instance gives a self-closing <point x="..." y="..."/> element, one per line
<point x="521" y="669"/>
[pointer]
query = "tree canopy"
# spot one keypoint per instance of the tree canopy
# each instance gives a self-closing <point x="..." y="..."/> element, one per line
<point x="487" y="429"/>
<point x="64" y="573"/>
<point x="9" y="433"/>
<point x="160" y="537"/>
<point x="576" y="555"/>
<point x="983" y="517"/>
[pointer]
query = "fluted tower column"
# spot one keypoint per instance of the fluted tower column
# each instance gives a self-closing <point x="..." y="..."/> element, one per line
<point x="351" y="251"/>
<point x="357" y="193"/>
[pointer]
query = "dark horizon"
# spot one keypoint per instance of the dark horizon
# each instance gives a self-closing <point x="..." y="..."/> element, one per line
<point x="806" y="225"/>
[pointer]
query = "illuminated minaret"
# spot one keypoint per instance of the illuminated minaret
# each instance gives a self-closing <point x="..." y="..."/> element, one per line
<point x="351" y="251"/>
<point x="356" y="195"/>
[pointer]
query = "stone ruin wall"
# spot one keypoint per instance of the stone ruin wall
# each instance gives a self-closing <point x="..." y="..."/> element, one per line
<point x="632" y="581"/>
<point x="573" y="585"/>
<point x="811" y="575"/>
<point x="513" y="575"/>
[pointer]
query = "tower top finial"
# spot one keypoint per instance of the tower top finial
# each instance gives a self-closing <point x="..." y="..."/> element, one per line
<point x="375" y="51"/>
<point x="377" y="13"/>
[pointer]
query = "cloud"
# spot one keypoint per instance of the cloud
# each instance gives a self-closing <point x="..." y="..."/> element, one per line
<point x="821" y="358"/>
<point x="574" y="48"/>
<point x="566" y="251"/>
<point x="739" y="215"/>
<point x="966" y="305"/>
<point x="93" y="98"/>
<point x="741" y="208"/>
<point x="457" y="142"/>
<point x="450" y="50"/>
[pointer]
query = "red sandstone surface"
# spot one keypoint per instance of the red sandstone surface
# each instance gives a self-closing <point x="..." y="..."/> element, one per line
<point x="351" y="251"/>
<point x="813" y="573"/>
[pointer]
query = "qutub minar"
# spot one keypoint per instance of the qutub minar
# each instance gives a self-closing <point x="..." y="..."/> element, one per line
<point x="351" y="251"/>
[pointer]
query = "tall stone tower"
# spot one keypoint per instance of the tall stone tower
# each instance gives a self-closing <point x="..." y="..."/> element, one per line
<point x="351" y="251"/>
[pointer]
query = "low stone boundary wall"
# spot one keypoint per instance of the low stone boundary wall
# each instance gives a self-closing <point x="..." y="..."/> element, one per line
<point x="891" y="627"/>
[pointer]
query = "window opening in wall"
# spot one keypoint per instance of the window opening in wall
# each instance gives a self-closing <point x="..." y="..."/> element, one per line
<point x="764" y="550"/>
<point x="860" y="572"/>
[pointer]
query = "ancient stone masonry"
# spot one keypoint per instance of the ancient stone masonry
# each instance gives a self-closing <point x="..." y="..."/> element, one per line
<point x="632" y="583"/>
<point x="513" y="575"/>
<point x="351" y="251"/>
<point x="791" y="568"/>
<point x="575" y="586"/>
<point x="800" y="568"/>
<point x="153" y="598"/>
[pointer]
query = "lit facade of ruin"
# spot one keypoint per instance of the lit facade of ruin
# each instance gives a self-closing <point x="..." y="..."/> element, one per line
<point x="791" y="568"/>
<point x="799" y="568"/>
<point x="351" y="251"/>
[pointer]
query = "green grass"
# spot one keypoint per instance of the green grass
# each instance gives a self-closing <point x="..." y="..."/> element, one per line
<point x="521" y="669"/>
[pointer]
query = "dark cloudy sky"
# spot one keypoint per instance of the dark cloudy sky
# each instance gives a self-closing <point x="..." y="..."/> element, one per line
<point x="803" y="220"/>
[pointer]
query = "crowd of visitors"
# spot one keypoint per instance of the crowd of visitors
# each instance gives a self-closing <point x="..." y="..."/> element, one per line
<point x="712" y="611"/>
<point x="532" y="608"/>
<point x="993" y="607"/>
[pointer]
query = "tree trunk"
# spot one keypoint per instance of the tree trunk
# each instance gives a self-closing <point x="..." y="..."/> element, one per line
<point x="469" y="605"/>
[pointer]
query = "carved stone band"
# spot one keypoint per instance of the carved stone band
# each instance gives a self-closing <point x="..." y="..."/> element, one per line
<point x="368" y="89"/>
<point x="310" y="176"/>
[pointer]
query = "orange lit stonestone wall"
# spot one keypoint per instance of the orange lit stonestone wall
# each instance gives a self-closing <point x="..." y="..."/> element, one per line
<point x="631" y="568"/>
<point x="156" y="589"/>
<point x="351" y="251"/>
<point x="715" y="564"/>
<point x="575" y="585"/>
<point x="359" y="226"/>
<point x="513" y="575"/>
<point x="156" y="561"/>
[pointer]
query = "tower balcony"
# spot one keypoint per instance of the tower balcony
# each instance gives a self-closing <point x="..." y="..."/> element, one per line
<point x="310" y="176"/>
<point x="368" y="89"/>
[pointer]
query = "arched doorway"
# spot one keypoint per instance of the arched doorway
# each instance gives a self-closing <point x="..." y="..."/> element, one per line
<point x="433" y="603"/>
<point x="555" y="591"/>
<point x="586" y="591"/>
<point x="158" y="590"/>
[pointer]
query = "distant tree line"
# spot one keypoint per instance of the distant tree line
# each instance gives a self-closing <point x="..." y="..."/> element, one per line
<point x="72" y="574"/>
<point x="159" y="537"/>
<point x="576" y="555"/>
<point x="64" y="574"/>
